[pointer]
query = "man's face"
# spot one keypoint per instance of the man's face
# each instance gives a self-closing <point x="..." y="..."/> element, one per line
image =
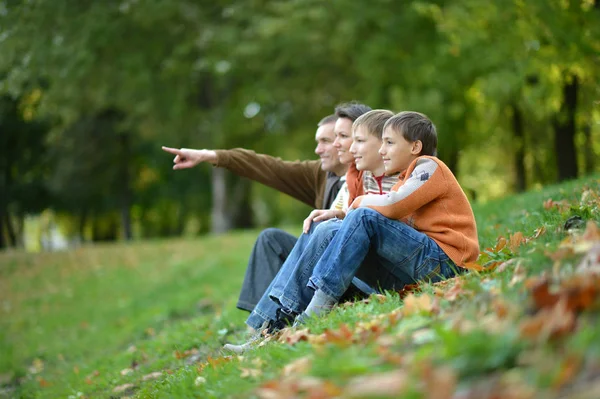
<point x="325" y="150"/>
<point x="397" y="152"/>
<point x="365" y="149"/>
<point x="343" y="140"/>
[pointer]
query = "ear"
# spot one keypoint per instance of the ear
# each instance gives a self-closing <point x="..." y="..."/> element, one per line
<point x="417" y="146"/>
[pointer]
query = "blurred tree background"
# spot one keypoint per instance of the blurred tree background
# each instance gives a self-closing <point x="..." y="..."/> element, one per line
<point x="90" y="90"/>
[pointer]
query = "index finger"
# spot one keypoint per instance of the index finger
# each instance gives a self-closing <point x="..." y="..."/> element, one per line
<point x="170" y="150"/>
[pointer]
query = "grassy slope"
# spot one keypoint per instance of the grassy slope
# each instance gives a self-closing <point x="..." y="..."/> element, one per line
<point x="85" y="322"/>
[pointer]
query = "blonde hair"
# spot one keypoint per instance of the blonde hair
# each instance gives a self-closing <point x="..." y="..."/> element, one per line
<point x="374" y="121"/>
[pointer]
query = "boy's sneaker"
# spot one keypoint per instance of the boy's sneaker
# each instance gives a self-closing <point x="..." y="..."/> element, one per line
<point x="253" y="341"/>
<point x="269" y="327"/>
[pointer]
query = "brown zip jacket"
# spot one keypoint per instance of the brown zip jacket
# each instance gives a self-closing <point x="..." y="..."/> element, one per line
<point x="302" y="180"/>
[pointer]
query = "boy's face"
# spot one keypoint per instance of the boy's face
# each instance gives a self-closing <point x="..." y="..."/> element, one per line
<point x="325" y="149"/>
<point x="365" y="148"/>
<point x="343" y="140"/>
<point x="397" y="152"/>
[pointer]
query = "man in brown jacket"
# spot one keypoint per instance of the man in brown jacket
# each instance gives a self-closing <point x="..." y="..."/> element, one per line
<point x="314" y="183"/>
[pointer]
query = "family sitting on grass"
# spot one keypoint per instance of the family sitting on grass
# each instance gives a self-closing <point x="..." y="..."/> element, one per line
<point x="399" y="217"/>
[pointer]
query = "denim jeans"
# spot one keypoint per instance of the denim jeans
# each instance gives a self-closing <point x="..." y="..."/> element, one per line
<point x="271" y="249"/>
<point x="398" y="254"/>
<point x="289" y="289"/>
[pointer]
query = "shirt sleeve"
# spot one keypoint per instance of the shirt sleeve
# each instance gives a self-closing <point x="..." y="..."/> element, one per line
<point x="302" y="180"/>
<point x="424" y="184"/>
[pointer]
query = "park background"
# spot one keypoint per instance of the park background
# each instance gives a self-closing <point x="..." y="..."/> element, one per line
<point x="89" y="91"/>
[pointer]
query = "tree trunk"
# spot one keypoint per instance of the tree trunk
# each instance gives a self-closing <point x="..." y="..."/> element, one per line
<point x="220" y="219"/>
<point x="21" y="230"/>
<point x="240" y="206"/>
<point x="82" y="223"/>
<point x="12" y="237"/>
<point x="588" y="151"/>
<point x="564" y="130"/>
<point x="2" y="239"/>
<point x="125" y="185"/>
<point x="519" y="143"/>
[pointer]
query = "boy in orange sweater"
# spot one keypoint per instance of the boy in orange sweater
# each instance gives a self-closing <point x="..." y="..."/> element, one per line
<point x="424" y="229"/>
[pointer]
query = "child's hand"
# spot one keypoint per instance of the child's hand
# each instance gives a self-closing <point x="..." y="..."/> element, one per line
<point x="356" y="203"/>
<point x="321" y="214"/>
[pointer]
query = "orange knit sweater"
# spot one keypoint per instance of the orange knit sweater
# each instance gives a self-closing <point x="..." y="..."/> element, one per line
<point x="430" y="200"/>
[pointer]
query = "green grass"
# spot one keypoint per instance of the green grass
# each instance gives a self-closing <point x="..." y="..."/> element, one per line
<point x="81" y="323"/>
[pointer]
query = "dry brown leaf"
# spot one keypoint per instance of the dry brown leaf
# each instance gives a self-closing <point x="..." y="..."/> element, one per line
<point x="291" y="336"/>
<point x="152" y="376"/>
<point x="500" y="244"/>
<point x="456" y="291"/>
<point x="343" y="336"/>
<point x="516" y="240"/>
<point x="591" y="233"/>
<point x="549" y="323"/>
<point x="439" y="383"/>
<point x="414" y="304"/>
<point x="590" y="264"/>
<point x="518" y="275"/>
<point x="474" y="266"/>
<point x="43" y="383"/>
<point x="183" y="354"/>
<point x="390" y="384"/>
<point x="298" y="366"/>
<point x="123" y="388"/>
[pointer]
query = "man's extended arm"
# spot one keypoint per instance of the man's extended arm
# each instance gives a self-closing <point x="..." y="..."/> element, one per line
<point x="303" y="180"/>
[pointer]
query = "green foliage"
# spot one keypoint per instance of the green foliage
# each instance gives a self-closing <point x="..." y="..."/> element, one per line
<point x="189" y="73"/>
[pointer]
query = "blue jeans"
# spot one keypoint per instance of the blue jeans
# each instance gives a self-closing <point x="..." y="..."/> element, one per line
<point x="289" y="290"/>
<point x="399" y="255"/>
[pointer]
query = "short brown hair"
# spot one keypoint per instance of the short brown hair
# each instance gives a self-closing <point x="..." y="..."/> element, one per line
<point x="415" y="126"/>
<point x="373" y="121"/>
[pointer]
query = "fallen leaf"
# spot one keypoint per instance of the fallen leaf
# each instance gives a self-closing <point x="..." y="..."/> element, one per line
<point x="291" y="336"/>
<point x="516" y="240"/>
<point x="123" y="388"/>
<point x="341" y="337"/>
<point x="391" y="384"/>
<point x="474" y="266"/>
<point x="500" y="244"/>
<point x="126" y="371"/>
<point x="549" y="323"/>
<point x="420" y="304"/>
<point x="439" y="382"/>
<point x="456" y="291"/>
<point x="182" y="355"/>
<point x="590" y="262"/>
<point x="408" y="289"/>
<point x="591" y="233"/>
<point x="298" y="366"/>
<point x="152" y="376"/>
<point x="518" y="275"/>
<point x="540" y="231"/>
<point x="43" y="383"/>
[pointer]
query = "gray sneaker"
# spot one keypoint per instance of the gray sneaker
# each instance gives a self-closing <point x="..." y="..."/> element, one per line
<point x="255" y="339"/>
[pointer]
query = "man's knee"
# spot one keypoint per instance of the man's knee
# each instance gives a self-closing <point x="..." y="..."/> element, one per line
<point x="270" y="235"/>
